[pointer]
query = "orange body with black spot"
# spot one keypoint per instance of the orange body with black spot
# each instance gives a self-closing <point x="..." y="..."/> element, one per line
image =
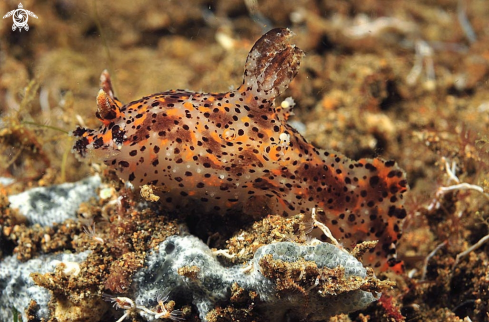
<point x="235" y="150"/>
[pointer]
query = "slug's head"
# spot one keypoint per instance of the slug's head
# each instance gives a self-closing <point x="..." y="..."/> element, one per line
<point x="104" y="143"/>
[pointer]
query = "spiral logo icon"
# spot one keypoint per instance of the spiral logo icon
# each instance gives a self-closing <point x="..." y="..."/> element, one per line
<point x="20" y="17"/>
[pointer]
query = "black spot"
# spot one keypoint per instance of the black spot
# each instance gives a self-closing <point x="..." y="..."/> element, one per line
<point x="397" y="212"/>
<point x="391" y="174"/>
<point x="374" y="181"/>
<point x="98" y="143"/>
<point x="132" y="177"/>
<point x="351" y="217"/>
<point x="124" y="164"/>
<point x="370" y="167"/>
<point x="133" y="153"/>
<point x="401" y="213"/>
<point x="79" y="131"/>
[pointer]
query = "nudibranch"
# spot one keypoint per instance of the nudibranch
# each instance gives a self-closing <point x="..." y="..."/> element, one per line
<point x="235" y="152"/>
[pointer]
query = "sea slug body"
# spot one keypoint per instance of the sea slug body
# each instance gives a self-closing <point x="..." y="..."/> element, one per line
<point x="235" y="152"/>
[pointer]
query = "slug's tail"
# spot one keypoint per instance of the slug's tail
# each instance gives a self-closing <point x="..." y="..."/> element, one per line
<point x="271" y="65"/>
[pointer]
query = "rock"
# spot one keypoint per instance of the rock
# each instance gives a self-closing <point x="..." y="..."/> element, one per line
<point x="54" y="204"/>
<point x="211" y="282"/>
<point x="18" y="288"/>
